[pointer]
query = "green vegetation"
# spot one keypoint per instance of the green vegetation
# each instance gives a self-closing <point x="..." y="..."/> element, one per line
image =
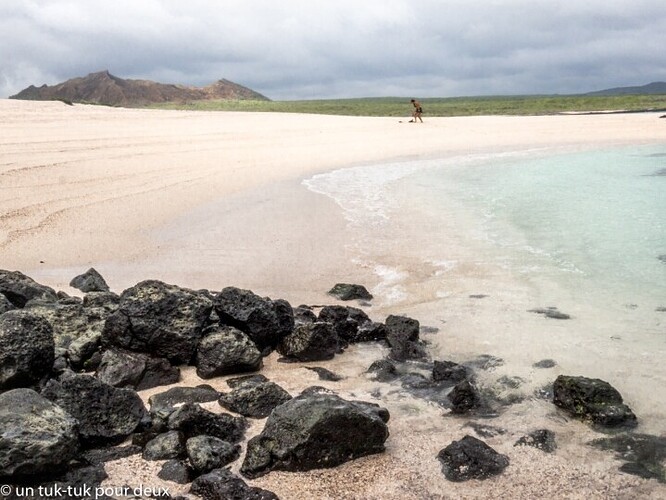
<point x="453" y="106"/>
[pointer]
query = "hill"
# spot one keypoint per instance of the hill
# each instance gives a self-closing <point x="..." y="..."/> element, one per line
<point x="104" y="88"/>
<point x="654" y="88"/>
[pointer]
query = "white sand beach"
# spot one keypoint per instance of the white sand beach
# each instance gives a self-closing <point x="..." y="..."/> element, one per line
<point x="215" y="199"/>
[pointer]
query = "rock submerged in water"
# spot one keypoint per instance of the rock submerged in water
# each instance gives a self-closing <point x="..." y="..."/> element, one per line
<point x="643" y="454"/>
<point x="592" y="399"/>
<point x="550" y="312"/>
<point x="542" y="439"/>
<point x="36" y="436"/>
<point x="471" y="458"/>
<point x="347" y="291"/>
<point x="316" y="430"/>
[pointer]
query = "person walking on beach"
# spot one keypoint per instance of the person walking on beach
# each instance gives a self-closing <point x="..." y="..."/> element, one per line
<point x="418" y="111"/>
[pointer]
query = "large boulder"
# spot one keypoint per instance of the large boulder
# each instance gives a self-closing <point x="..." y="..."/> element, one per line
<point x="254" y="399"/>
<point x="222" y="484"/>
<point x="36" y="436"/>
<point x="316" y="430"/>
<point x="310" y="342"/>
<point x="139" y="371"/>
<point x="471" y="458"/>
<point x="90" y="281"/>
<point x="226" y="350"/>
<point x="592" y="399"/>
<point x="164" y="320"/>
<point x="27" y="350"/>
<point x="106" y="414"/>
<point x="264" y="320"/>
<point x="20" y="289"/>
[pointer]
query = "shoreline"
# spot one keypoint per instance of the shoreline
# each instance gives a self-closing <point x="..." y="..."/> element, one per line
<point x="276" y="223"/>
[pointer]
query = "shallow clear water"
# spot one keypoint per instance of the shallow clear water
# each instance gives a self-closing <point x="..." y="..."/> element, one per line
<point x="593" y="221"/>
<point x="470" y="244"/>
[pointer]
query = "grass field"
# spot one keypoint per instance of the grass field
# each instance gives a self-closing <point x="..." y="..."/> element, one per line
<point x="453" y="106"/>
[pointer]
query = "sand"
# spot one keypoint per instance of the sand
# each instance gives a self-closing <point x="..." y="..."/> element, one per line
<point x="212" y="199"/>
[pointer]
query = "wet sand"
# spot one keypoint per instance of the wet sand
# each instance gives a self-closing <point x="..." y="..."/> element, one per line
<point x="207" y="200"/>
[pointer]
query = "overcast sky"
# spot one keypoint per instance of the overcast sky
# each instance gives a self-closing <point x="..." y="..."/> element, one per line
<point x="302" y="49"/>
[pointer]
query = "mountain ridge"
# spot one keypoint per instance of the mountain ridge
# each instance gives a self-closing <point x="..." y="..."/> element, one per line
<point x="104" y="88"/>
<point x="654" y="88"/>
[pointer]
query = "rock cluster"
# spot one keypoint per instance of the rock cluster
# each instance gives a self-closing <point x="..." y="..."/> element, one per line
<point x="70" y="369"/>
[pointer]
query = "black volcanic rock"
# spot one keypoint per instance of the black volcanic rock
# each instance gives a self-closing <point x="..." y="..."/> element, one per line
<point x="592" y="399"/>
<point x="222" y="484"/>
<point x="104" y="88"/>
<point x="225" y="350"/>
<point x="316" y="430"/>
<point x="90" y="281"/>
<point x="310" y="342"/>
<point x="265" y="321"/>
<point x="347" y="291"/>
<point x="27" y="350"/>
<point x="19" y="289"/>
<point x="471" y="458"/>
<point x="255" y="399"/>
<point x="164" y="320"/>
<point x="193" y="420"/>
<point x="36" y="436"/>
<point x="106" y="414"/>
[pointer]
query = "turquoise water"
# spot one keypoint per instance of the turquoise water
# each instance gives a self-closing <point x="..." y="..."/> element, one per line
<point x="594" y="221"/>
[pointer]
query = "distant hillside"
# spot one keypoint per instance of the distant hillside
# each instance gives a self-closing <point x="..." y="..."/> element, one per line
<point x="104" y="88"/>
<point x="654" y="88"/>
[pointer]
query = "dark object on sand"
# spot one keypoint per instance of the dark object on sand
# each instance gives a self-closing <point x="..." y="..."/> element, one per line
<point x="346" y="291"/>
<point x="592" y="399"/>
<point x="222" y="484"/>
<point x="545" y="363"/>
<point x="542" y="439"/>
<point x="325" y="374"/>
<point x="550" y="312"/>
<point x="471" y="458"/>
<point x="316" y="430"/>
<point x="254" y="398"/>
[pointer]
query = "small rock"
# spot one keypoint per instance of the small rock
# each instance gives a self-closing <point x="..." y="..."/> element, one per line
<point x="471" y="458"/>
<point x="542" y="439"/>
<point x="221" y="484"/>
<point x="90" y="281"/>
<point x="346" y="291"/>
<point x="464" y="397"/>
<point x="165" y="446"/>
<point x="384" y="370"/>
<point x="207" y="453"/>
<point x="550" y="312"/>
<point x="325" y="374"/>
<point x="224" y="351"/>
<point x="545" y="363"/>
<point x="448" y="371"/>
<point x="164" y="403"/>
<point x="176" y="471"/>
<point x="310" y="342"/>
<point x="254" y="399"/>
<point x="192" y="420"/>
<point x="20" y="289"/>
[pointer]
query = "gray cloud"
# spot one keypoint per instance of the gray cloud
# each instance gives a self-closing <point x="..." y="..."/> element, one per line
<point x="297" y="49"/>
